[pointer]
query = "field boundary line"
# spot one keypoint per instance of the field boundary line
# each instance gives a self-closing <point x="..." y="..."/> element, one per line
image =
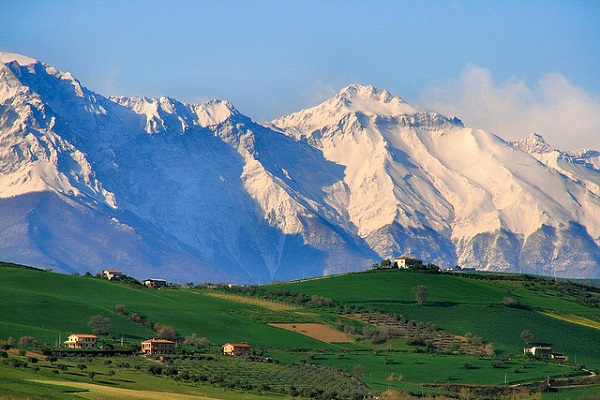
<point x="572" y="318"/>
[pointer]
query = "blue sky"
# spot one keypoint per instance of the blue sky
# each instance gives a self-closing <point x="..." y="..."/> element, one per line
<point x="510" y="67"/>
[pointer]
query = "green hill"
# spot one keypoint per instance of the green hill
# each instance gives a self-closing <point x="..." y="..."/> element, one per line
<point x="46" y="305"/>
<point x="494" y="308"/>
<point x="561" y="314"/>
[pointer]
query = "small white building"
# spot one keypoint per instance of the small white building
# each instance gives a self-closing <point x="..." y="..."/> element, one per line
<point x="112" y="274"/>
<point x="155" y="282"/>
<point x="407" y="262"/>
<point x="539" y="351"/>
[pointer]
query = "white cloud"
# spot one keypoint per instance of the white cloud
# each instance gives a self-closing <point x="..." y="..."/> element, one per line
<point x="317" y="93"/>
<point x="566" y="116"/>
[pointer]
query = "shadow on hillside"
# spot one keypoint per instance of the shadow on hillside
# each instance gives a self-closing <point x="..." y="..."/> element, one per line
<point x="442" y="304"/>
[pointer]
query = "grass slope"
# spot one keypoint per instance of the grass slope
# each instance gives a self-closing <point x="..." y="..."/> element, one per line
<point x="46" y="305"/>
<point x="460" y="304"/>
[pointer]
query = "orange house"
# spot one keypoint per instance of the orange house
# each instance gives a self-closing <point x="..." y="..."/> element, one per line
<point x="158" y="346"/>
<point x="81" y="341"/>
<point x="236" y="349"/>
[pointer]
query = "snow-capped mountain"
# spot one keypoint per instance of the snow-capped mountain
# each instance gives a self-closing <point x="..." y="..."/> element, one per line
<point x="417" y="180"/>
<point x="157" y="187"/>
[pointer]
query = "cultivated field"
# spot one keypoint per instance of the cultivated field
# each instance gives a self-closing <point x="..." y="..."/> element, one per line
<point x="317" y="331"/>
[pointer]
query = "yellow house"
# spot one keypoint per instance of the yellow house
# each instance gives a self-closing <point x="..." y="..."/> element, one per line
<point x="81" y="341"/>
<point x="158" y="346"/>
<point x="236" y="349"/>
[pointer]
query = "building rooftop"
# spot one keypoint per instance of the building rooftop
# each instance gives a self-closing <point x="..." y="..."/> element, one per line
<point x="154" y="340"/>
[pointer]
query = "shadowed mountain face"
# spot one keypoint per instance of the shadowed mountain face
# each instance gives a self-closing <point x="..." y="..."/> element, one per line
<point x="201" y="192"/>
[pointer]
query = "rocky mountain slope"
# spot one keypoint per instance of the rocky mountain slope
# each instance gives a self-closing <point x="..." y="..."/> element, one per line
<point x="157" y="187"/>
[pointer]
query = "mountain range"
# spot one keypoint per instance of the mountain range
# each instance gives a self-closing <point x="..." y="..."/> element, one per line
<point x="201" y="192"/>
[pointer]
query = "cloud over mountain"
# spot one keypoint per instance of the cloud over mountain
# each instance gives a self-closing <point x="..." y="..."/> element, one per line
<point x="567" y="116"/>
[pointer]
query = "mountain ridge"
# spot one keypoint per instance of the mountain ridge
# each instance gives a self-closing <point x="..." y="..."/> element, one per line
<point x="359" y="177"/>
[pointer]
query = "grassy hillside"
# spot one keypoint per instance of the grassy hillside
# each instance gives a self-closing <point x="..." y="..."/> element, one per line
<point x="475" y="304"/>
<point x="47" y="305"/>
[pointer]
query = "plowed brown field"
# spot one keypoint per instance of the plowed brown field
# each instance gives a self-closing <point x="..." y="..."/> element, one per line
<point x="320" y="332"/>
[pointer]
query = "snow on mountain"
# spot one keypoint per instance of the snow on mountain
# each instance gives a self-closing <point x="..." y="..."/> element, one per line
<point x="34" y="157"/>
<point x="582" y="166"/>
<point x="422" y="183"/>
<point x="201" y="192"/>
<point x="6" y="58"/>
<point x="205" y="178"/>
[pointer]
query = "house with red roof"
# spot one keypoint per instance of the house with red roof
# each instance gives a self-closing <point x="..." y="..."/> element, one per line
<point x="236" y="349"/>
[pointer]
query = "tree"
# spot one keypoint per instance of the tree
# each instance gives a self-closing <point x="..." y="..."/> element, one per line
<point x="7" y="344"/>
<point x="166" y="332"/>
<point x="510" y="302"/>
<point x="120" y="308"/>
<point x="358" y="371"/>
<point x="91" y="375"/>
<point x="420" y="293"/>
<point x="527" y="336"/>
<point x="197" y="342"/>
<point x="99" y="324"/>
<point x="27" y="342"/>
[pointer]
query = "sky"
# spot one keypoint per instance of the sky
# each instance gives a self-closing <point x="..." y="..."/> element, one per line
<point x="510" y="67"/>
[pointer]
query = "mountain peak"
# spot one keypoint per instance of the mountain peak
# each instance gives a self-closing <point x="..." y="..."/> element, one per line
<point x="533" y="144"/>
<point x="366" y="92"/>
<point x="20" y="59"/>
<point x="353" y="99"/>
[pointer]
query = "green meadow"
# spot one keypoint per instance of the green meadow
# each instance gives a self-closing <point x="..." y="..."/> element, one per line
<point x="46" y="305"/>
<point x="50" y="306"/>
<point x="461" y="304"/>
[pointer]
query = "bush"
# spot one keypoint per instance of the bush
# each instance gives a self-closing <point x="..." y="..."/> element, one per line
<point x="155" y="369"/>
<point x="121" y="308"/>
<point x="512" y="303"/>
<point x="27" y="342"/>
<point x="467" y="365"/>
